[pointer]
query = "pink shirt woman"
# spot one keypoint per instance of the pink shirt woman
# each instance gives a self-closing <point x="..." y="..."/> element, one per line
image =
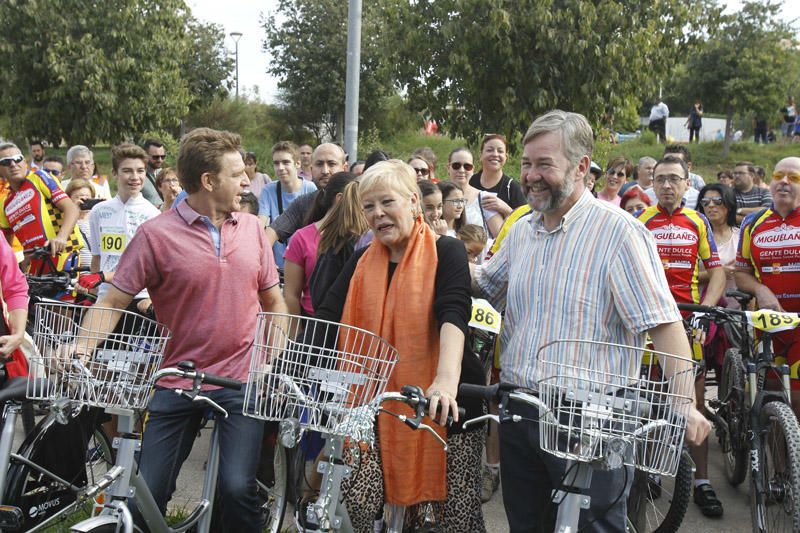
<point x="302" y="251"/>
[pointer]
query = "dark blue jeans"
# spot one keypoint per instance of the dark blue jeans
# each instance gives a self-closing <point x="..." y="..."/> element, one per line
<point x="529" y="476"/>
<point x="170" y="432"/>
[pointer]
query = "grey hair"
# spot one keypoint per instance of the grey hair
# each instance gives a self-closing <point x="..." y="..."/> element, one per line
<point x="645" y="160"/>
<point x="577" y="138"/>
<point x="76" y="151"/>
<point x="6" y="145"/>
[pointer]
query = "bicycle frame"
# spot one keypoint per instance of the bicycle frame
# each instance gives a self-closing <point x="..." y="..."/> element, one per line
<point x="124" y="481"/>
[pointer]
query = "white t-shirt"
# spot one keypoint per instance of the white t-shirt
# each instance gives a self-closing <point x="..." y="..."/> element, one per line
<point x="113" y="224"/>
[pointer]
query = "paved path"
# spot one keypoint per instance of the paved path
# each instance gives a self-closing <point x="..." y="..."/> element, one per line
<point x="735" y="501"/>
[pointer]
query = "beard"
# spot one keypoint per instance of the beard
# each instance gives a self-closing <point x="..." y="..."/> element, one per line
<point x="558" y="195"/>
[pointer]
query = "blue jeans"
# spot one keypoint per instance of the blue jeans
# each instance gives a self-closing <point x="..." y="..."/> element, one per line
<point x="529" y="476"/>
<point x="170" y="432"/>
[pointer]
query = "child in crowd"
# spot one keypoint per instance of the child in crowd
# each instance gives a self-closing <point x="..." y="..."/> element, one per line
<point x="475" y="239"/>
<point x="432" y="207"/>
<point x="453" y="203"/>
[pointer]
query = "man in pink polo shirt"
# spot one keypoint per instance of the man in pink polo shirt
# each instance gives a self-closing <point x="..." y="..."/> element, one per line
<point x="209" y="270"/>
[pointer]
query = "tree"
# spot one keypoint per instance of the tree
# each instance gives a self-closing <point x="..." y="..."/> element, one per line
<point x="744" y="66"/>
<point x="207" y="65"/>
<point x="307" y="40"/>
<point x="86" y="71"/>
<point x="493" y="65"/>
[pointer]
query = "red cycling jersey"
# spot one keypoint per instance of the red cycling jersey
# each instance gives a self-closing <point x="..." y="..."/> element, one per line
<point x="769" y="248"/>
<point x="683" y="239"/>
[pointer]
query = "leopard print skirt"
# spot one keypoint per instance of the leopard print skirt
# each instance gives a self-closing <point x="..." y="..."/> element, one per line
<point x="461" y="512"/>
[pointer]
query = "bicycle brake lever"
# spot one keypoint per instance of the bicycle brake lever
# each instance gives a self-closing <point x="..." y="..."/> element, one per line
<point x="429" y="429"/>
<point x="479" y="419"/>
<point x="217" y="407"/>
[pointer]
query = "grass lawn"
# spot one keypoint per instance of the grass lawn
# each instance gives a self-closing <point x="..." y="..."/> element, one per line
<point x="707" y="156"/>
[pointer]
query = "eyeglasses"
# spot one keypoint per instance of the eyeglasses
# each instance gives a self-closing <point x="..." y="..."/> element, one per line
<point x="162" y="157"/>
<point x="456" y="201"/>
<point x="793" y="177"/>
<point x="16" y="159"/>
<point x="467" y="166"/>
<point x="619" y="174"/>
<point x="53" y="171"/>
<point x="706" y="202"/>
<point x="170" y="180"/>
<point x="673" y="179"/>
<point x="422" y="171"/>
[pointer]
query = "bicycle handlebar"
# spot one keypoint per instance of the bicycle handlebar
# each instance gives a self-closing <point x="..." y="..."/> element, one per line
<point x="203" y="377"/>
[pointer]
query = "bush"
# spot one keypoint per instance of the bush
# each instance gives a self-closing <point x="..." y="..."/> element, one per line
<point x="648" y="138"/>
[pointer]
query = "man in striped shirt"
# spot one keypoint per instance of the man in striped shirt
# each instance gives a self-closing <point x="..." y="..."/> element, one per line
<point x="577" y="268"/>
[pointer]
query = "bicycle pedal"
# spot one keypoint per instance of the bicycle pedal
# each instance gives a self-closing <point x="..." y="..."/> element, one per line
<point x="10" y="517"/>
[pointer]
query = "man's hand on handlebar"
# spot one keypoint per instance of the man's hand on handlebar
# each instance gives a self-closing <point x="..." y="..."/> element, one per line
<point x="57" y="245"/>
<point x="91" y="281"/>
<point x="697" y="427"/>
<point x="699" y="322"/>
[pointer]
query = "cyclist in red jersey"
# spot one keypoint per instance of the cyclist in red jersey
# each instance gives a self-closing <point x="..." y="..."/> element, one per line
<point x="684" y="239"/>
<point x="37" y="211"/>
<point x="768" y="260"/>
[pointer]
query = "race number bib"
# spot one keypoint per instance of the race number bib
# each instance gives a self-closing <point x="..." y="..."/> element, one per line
<point x="484" y="316"/>
<point x="113" y="243"/>
<point x="773" y="321"/>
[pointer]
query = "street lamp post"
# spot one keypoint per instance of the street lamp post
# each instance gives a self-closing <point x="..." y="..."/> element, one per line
<point x="235" y="35"/>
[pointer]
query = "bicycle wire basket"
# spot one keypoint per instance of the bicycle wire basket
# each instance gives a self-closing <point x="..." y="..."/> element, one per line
<point x="83" y="363"/>
<point x="614" y="404"/>
<point x="323" y="374"/>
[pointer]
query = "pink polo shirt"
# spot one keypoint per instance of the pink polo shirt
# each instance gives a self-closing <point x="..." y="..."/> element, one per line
<point x="302" y="251"/>
<point x="208" y="302"/>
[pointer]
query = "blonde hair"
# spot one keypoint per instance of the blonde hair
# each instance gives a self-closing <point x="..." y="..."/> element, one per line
<point x="344" y="222"/>
<point x="394" y="174"/>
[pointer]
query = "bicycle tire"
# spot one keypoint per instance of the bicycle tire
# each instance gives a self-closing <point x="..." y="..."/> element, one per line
<point x="660" y="508"/>
<point x="733" y="441"/>
<point x="78" y="451"/>
<point x="275" y="495"/>
<point x="779" y="503"/>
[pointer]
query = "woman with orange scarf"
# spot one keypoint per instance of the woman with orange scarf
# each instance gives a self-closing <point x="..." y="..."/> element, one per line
<point x="412" y="289"/>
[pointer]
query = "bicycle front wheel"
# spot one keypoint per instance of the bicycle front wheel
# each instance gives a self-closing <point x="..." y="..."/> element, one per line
<point x="79" y="452"/>
<point x="733" y="439"/>
<point x="272" y="490"/>
<point x="776" y="507"/>
<point x="659" y="503"/>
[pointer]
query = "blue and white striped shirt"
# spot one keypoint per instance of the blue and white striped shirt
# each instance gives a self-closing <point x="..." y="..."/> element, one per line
<point x="597" y="277"/>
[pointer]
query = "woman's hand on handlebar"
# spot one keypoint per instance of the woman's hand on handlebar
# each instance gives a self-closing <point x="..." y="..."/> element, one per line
<point x="9" y="343"/>
<point x="442" y="393"/>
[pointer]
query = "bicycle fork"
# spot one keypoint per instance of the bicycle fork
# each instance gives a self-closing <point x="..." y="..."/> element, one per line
<point x="328" y="512"/>
<point x="570" y="498"/>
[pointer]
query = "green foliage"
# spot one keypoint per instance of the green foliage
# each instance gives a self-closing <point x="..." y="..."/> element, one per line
<point x="307" y="40"/>
<point x="84" y="72"/>
<point x="743" y="66"/>
<point x="206" y="66"/>
<point x="648" y="138"/>
<point x="493" y="65"/>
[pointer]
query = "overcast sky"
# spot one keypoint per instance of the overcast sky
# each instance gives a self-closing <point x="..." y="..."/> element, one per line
<point x="244" y="16"/>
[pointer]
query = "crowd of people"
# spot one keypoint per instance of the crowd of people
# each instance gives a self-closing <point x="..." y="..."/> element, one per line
<point x="567" y="250"/>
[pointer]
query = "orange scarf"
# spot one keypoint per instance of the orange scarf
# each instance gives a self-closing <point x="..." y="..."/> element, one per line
<point x="413" y="462"/>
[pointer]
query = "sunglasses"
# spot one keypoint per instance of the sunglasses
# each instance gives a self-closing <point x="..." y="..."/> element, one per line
<point x="158" y="157"/>
<point x="793" y="177"/>
<point x="705" y="202"/>
<point x="54" y="171"/>
<point x="467" y="166"/>
<point x="422" y="171"/>
<point x="619" y="174"/>
<point x="16" y="159"/>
